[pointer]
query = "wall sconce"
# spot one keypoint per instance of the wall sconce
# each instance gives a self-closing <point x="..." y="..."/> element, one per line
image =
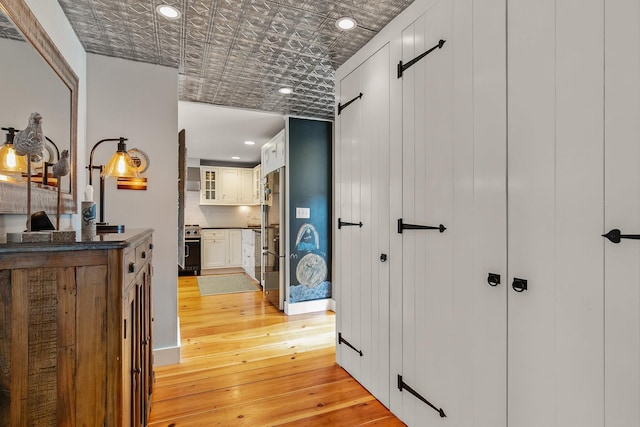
<point x="140" y="161"/>
<point x="120" y="165"/>
<point x="9" y="160"/>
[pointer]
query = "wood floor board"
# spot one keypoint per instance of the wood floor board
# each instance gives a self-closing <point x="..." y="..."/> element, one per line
<point x="222" y="395"/>
<point x="201" y="381"/>
<point x="244" y="363"/>
<point x="371" y="413"/>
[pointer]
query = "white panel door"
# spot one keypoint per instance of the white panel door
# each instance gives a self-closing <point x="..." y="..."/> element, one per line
<point x="622" y="211"/>
<point x="362" y="184"/>
<point x="427" y="255"/>
<point x="454" y="157"/>
<point x="481" y="301"/>
<point x="555" y="198"/>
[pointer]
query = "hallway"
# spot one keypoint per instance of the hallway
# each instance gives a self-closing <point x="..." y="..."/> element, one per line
<point x="246" y="364"/>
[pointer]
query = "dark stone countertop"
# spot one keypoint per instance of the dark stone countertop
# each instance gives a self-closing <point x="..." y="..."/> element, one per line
<point x="100" y="241"/>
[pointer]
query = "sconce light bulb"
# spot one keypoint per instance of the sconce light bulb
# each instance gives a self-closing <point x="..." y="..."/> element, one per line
<point x="122" y="167"/>
<point x="11" y="158"/>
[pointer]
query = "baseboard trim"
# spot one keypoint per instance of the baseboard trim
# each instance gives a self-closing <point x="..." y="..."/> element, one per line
<point x="308" y="306"/>
<point x="168" y="355"/>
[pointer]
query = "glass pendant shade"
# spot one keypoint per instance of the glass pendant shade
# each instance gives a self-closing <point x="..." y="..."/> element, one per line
<point x="10" y="161"/>
<point x="120" y="165"/>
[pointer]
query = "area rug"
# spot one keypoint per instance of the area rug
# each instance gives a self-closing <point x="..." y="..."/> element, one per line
<point x="226" y="284"/>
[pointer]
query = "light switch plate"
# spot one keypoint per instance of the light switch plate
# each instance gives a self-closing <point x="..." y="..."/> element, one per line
<point x="303" y="213"/>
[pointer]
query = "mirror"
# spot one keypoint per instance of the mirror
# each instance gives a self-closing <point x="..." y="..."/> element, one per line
<point x="35" y="77"/>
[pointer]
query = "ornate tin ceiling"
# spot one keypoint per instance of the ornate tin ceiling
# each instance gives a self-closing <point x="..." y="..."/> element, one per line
<point x="237" y="53"/>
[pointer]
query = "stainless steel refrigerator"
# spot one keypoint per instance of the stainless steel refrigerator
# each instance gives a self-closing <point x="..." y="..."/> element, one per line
<point x="273" y="227"/>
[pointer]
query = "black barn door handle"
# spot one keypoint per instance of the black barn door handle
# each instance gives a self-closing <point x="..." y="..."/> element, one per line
<point x="519" y="285"/>
<point x="493" y="279"/>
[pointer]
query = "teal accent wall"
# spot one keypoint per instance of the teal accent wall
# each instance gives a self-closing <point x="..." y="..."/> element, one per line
<point x="309" y="165"/>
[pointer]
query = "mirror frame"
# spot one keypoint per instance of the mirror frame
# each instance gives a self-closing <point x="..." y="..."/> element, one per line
<point x="13" y="195"/>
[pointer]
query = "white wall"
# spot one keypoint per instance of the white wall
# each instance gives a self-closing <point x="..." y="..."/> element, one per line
<point x="140" y="102"/>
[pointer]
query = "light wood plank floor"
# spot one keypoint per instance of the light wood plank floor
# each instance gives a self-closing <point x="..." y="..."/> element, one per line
<point x="246" y="364"/>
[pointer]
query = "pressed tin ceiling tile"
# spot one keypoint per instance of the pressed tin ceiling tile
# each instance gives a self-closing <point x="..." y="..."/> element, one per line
<point x="237" y="53"/>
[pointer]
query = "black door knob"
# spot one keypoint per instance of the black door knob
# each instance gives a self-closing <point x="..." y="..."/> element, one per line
<point x="493" y="279"/>
<point x="519" y="285"/>
<point x="383" y="257"/>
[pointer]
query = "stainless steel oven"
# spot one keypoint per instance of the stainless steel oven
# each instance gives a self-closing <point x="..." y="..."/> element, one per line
<point x="191" y="251"/>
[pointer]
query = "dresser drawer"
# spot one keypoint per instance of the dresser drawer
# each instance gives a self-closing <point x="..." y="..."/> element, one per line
<point x="214" y="234"/>
<point x="143" y="253"/>
<point x="129" y="266"/>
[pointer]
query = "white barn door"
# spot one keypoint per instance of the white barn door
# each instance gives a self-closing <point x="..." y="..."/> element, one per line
<point x="427" y="200"/>
<point x="622" y="212"/>
<point x="362" y="224"/>
<point x="555" y="199"/>
<point x="454" y="157"/>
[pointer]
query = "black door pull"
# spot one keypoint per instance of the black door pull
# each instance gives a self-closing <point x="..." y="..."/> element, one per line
<point x="493" y="279"/>
<point x="383" y="257"/>
<point x="614" y="236"/>
<point x="342" y="223"/>
<point x="519" y="285"/>
<point x="403" y="226"/>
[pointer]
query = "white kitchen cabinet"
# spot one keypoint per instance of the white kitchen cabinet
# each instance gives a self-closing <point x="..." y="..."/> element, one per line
<point x="230" y="186"/>
<point x="214" y="248"/>
<point x="273" y="153"/>
<point x="226" y="186"/>
<point x="248" y="253"/>
<point x="258" y="188"/>
<point x="221" y="248"/>
<point x="235" y="248"/>
<point x="210" y="185"/>
<point x="246" y="186"/>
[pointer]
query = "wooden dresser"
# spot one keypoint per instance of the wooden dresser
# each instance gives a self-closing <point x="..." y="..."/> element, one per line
<point x="75" y="332"/>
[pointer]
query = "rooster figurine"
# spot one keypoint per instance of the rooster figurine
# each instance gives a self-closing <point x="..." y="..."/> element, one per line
<point x="30" y="140"/>
<point x="62" y="167"/>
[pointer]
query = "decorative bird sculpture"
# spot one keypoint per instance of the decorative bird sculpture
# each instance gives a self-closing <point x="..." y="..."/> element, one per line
<point x="30" y="140"/>
<point x="62" y="167"/>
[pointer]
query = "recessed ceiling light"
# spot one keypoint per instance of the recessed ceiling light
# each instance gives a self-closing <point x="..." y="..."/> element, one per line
<point x="346" y="23"/>
<point x="236" y="158"/>
<point x="285" y="90"/>
<point x="168" y="11"/>
<point x="250" y="143"/>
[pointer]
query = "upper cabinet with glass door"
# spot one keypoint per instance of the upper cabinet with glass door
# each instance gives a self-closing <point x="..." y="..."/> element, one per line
<point x="210" y="185"/>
